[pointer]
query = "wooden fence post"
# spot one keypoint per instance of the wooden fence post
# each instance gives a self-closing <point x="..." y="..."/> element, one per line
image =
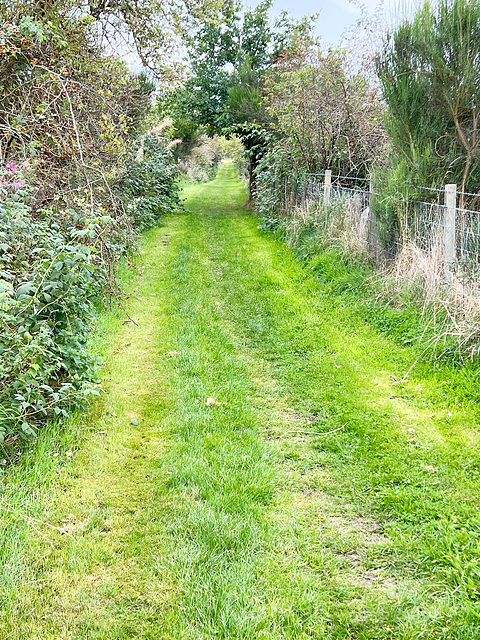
<point x="449" y="219"/>
<point x="327" y="186"/>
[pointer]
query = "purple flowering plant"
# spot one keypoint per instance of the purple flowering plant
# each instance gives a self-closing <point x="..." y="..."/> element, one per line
<point x="11" y="179"/>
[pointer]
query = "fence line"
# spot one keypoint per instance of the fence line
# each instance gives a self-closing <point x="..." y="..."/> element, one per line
<point x="441" y="229"/>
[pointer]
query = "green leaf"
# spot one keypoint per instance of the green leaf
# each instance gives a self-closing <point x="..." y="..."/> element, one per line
<point x="24" y="290"/>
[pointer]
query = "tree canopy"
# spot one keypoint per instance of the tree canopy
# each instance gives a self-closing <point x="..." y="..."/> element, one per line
<point x="328" y="117"/>
<point x="228" y="62"/>
<point x="154" y="29"/>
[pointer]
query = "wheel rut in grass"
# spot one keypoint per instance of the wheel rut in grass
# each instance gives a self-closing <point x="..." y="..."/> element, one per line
<point x="272" y="487"/>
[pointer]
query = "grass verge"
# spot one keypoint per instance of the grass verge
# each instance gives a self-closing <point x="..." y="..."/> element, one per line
<point x="283" y="481"/>
<point x="82" y="555"/>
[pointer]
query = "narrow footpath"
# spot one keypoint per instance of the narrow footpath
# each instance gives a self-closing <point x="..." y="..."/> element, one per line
<point x="250" y="472"/>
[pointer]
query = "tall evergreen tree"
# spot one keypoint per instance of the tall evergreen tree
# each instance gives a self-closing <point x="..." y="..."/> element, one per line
<point x="429" y="70"/>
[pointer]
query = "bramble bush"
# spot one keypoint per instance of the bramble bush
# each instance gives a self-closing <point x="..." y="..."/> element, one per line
<point x="149" y="186"/>
<point x="68" y="118"/>
<point x="49" y="272"/>
<point x="54" y="265"/>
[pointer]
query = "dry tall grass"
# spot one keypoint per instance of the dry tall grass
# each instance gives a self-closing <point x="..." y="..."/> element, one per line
<point x="448" y="297"/>
<point x="343" y="222"/>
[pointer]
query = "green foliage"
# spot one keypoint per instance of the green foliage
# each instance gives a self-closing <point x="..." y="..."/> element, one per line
<point x="49" y="274"/>
<point x="237" y="51"/>
<point x="233" y="149"/>
<point x="275" y="182"/>
<point x="324" y="116"/>
<point x="228" y="62"/>
<point x="149" y="184"/>
<point x="429" y="69"/>
<point x="151" y="29"/>
<point x="201" y="163"/>
<point x="68" y="112"/>
<point x="320" y="238"/>
<point x="68" y="116"/>
<point x="328" y="116"/>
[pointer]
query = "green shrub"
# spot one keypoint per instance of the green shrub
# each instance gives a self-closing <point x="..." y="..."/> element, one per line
<point x="54" y="265"/>
<point x="49" y="274"/>
<point x="149" y="184"/>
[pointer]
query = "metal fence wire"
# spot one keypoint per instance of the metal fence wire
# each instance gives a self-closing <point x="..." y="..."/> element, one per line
<point x="467" y="236"/>
<point x="340" y="192"/>
<point x="424" y="224"/>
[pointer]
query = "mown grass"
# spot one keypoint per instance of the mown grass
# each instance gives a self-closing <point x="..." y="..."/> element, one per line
<point x="284" y="481"/>
<point x="399" y="480"/>
<point x="82" y="555"/>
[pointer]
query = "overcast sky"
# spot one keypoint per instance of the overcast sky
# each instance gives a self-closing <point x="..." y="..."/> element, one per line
<point x="335" y="15"/>
<point x="338" y="15"/>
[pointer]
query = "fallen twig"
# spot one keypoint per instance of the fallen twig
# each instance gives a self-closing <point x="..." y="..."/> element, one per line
<point x="312" y="433"/>
<point x="29" y="520"/>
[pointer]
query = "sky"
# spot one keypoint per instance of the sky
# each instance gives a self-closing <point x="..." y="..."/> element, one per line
<point x="336" y="16"/>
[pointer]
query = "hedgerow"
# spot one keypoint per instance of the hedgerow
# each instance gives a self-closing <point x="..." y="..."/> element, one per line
<point x="72" y="197"/>
<point x="148" y="184"/>
<point x="48" y="279"/>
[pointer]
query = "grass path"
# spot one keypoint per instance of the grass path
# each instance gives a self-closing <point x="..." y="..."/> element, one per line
<point x="250" y="472"/>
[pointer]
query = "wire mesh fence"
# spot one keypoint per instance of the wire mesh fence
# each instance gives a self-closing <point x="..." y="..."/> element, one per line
<point x="425" y="227"/>
<point x="342" y="192"/>
<point x="467" y="234"/>
<point x="425" y="223"/>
